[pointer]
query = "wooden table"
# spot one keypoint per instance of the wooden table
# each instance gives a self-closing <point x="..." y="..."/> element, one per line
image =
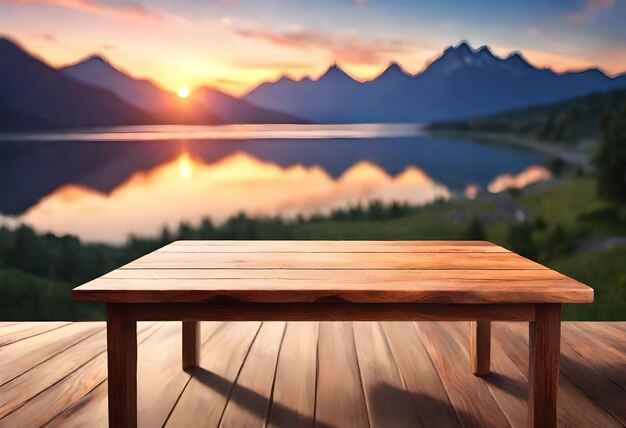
<point x="193" y="281"/>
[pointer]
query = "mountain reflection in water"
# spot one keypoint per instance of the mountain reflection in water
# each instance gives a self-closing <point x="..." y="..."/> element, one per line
<point x="103" y="190"/>
<point x="186" y="189"/>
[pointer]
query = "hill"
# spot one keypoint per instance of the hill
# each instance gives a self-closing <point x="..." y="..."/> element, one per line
<point x="235" y="110"/>
<point x="205" y="105"/>
<point x="35" y="95"/>
<point x="140" y="93"/>
<point x="565" y="121"/>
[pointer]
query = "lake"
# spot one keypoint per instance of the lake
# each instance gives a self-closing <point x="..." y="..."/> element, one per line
<point x="104" y="184"/>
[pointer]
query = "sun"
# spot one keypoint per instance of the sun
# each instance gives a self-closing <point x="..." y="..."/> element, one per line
<point x="183" y="92"/>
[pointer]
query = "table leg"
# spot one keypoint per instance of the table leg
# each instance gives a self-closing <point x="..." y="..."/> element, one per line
<point x="122" y="366"/>
<point x="480" y="347"/>
<point x="544" y="345"/>
<point x="191" y="344"/>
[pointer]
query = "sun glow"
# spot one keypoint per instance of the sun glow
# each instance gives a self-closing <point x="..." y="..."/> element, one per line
<point x="183" y="92"/>
<point x="185" y="166"/>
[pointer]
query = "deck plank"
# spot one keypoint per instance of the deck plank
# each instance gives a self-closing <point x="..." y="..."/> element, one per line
<point x="595" y="384"/>
<point x="331" y="246"/>
<point x="470" y="396"/>
<point x="18" y="357"/>
<point x="207" y="393"/>
<point x="507" y="384"/>
<point x="91" y="408"/>
<point x="248" y="404"/>
<point x="605" y="358"/>
<point x="421" y="380"/>
<point x="388" y="403"/>
<point x="19" y="331"/>
<point x="336" y="261"/>
<point x="339" y="398"/>
<point x="293" y="402"/>
<point x="60" y="395"/>
<point x="60" y="378"/>
<point x="14" y="393"/>
<point x="609" y="333"/>
<point x="514" y="337"/>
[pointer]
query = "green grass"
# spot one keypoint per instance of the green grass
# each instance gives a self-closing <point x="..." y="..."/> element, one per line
<point x="576" y="206"/>
<point x="430" y="224"/>
<point x="605" y="272"/>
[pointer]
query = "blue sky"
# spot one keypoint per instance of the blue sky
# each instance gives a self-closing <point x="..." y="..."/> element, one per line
<point x="235" y="44"/>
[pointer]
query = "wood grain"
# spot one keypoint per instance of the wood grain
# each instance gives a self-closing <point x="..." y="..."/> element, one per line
<point x="69" y="389"/>
<point x="15" y="332"/>
<point x="423" y="384"/>
<point x="349" y="290"/>
<point x="334" y="261"/>
<point x="18" y="357"/>
<point x="468" y="394"/>
<point x="249" y="402"/>
<point x="210" y="387"/>
<point x="480" y="347"/>
<point x="91" y="409"/>
<point x="339" y="397"/>
<point x="329" y="312"/>
<point x="121" y="366"/>
<point x="331" y="246"/>
<point x="62" y="395"/>
<point x="514" y="338"/>
<point x="17" y="391"/>
<point x="293" y="403"/>
<point x="388" y="404"/>
<point x="191" y="344"/>
<point x="606" y="358"/>
<point x="353" y="271"/>
<point x="544" y="338"/>
<point x="507" y="384"/>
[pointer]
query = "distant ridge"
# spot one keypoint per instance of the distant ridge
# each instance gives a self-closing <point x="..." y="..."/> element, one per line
<point x="566" y="121"/>
<point x="34" y="95"/>
<point x="462" y="82"/>
<point x="98" y="71"/>
<point x="206" y="105"/>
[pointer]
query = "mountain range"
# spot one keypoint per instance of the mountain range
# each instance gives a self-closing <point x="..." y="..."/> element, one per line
<point x="93" y="92"/>
<point x="463" y="82"/>
<point x="145" y="95"/>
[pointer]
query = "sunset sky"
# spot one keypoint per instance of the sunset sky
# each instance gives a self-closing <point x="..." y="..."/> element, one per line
<point x="235" y="44"/>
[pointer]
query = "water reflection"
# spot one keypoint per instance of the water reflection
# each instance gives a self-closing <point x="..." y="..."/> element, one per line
<point x="102" y="190"/>
<point x="186" y="189"/>
<point x="532" y="174"/>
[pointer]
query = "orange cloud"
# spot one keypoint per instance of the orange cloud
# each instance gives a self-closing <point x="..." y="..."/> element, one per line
<point x="348" y="47"/>
<point x="591" y="9"/>
<point x="97" y="7"/>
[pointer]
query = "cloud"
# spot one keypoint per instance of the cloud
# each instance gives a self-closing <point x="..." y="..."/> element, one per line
<point x="591" y="9"/>
<point x="99" y="7"/>
<point x="347" y="47"/>
<point x="266" y="64"/>
<point x="48" y="37"/>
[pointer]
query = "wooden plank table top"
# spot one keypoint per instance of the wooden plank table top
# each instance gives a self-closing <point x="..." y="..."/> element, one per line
<point x="466" y="272"/>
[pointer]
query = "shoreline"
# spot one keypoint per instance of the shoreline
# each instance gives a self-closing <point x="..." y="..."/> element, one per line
<point x="572" y="155"/>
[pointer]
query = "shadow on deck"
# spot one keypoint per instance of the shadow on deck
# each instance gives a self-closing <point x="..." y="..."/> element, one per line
<point x="308" y="374"/>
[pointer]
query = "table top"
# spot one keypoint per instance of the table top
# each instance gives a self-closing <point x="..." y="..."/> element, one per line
<point x="468" y="272"/>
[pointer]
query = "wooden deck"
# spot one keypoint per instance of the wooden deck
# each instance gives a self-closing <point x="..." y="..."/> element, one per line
<point x="309" y="373"/>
